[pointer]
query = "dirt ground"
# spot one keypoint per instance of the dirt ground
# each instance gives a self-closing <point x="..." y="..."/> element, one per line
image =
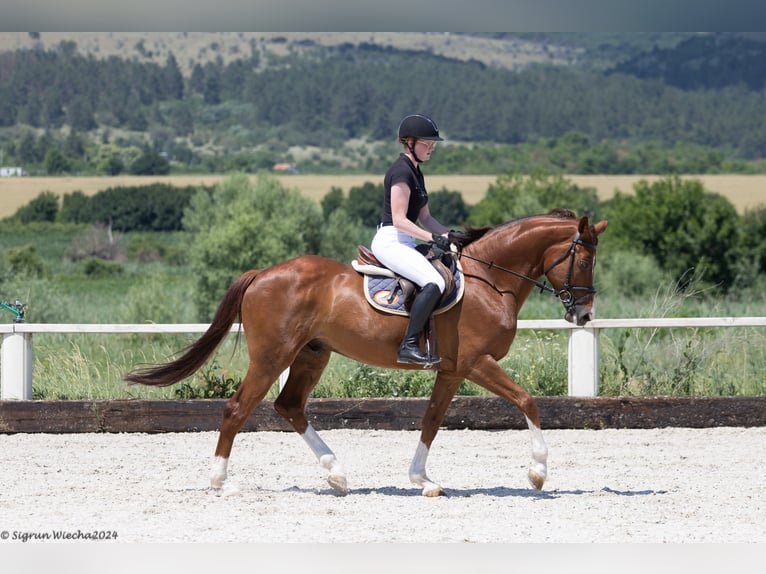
<point x="662" y="485"/>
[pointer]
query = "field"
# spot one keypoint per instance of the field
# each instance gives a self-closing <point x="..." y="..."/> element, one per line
<point x="744" y="191"/>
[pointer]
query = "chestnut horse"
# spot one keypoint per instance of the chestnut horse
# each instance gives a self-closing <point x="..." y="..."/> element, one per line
<point x="297" y="313"/>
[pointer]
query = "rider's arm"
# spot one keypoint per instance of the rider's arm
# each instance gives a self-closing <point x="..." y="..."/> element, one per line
<point x="400" y="199"/>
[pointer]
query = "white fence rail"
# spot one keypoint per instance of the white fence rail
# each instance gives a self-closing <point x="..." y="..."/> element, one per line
<point x="583" y="345"/>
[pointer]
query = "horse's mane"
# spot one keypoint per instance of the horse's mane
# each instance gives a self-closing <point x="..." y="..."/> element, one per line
<point x="470" y="234"/>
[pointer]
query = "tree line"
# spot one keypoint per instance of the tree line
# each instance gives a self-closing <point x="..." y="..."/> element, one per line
<point x="329" y="95"/>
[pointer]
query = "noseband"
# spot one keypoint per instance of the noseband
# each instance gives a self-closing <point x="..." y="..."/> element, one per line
<point x="565" y="294"/>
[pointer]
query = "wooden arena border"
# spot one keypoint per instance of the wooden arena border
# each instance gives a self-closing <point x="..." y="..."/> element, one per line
<point x="480" y="413"/>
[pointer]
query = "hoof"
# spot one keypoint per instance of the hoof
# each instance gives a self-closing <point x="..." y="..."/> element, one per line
<point x="230" y="489"/>
<point x="433" y="490"/>
<point x="338" y="482"/>
<point x="535" y="479"/>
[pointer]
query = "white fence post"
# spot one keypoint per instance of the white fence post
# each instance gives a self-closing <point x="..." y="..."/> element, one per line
<point x="16" y="364"/>
<point x="583" y="362"/>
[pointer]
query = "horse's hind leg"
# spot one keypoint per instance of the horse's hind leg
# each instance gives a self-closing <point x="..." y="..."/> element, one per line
<point x="305" y="372"/>
<point x="251" y="391"/>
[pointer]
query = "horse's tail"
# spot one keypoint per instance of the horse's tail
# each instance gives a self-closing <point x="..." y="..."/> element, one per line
<point x="197" y="353"/>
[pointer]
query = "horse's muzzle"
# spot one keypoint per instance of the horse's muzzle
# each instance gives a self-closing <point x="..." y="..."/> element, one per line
<point x="579" y="318"/>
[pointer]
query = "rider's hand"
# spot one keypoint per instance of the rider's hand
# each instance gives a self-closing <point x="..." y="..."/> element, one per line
<point x="441" y="242"/>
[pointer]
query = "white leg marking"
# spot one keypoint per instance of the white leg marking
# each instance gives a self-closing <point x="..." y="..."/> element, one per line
<point x="218" y="477"/>
<point x="418" y="472"/>
<point x="218" y="474"/>
<point x="538" y="472"/>
<point x="326" y="458"/>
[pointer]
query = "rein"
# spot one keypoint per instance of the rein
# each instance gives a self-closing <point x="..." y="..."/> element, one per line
<point x="564" y="294"/>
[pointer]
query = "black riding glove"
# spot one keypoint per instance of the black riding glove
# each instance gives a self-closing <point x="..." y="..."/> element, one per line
<point x="441" y="242"/>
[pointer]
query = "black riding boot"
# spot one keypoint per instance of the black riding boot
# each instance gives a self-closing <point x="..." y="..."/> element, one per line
<point x="422" y="307"/>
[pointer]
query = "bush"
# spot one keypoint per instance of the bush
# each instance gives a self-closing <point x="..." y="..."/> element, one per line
<point x="365" y="203"/>
<point x="75" y="208"/>
<point x="212" y="382"/>
<point x="679" y="224"/>
<point x="155" y="207"/>
<point x="24" y="261"/>
<point x="146" y="249"/>
<point x="96" y="267"/>
<point x="98" y="242"/>
<point x="448" y="207"/>
<point x="44" y="207"/>
<point x="628" y="274"/>
<point x="242" y="226"/>
<point x="515" y="195"/>
<point x="150" y="163"/>
<point x="367" y="381"/>
<point x="149" y="301"/>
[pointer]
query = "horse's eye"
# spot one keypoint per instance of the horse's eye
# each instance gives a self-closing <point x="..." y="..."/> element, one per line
<point x="583" y="263"/>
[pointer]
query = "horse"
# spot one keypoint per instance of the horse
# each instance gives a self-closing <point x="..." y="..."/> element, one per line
<point x="298" y="312"/>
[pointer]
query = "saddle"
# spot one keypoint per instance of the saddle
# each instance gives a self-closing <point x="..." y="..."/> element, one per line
<point x="390" y="292"/>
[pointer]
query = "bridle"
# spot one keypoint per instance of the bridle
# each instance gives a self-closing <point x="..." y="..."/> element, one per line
<point x="566" y="293"/>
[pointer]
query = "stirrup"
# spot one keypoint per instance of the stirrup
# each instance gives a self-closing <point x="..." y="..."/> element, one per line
<point x="414" y="356"/>
<point x="411" y="354"/>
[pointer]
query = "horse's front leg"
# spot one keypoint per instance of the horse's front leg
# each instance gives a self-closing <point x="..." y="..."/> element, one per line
<point x="444" y="389"/>
<point x="490" y="375"/>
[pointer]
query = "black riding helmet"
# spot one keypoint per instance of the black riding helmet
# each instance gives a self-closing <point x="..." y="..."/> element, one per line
<point x="419" y="127"/>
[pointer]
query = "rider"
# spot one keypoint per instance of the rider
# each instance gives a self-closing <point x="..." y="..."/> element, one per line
<point x="406" y="218"/>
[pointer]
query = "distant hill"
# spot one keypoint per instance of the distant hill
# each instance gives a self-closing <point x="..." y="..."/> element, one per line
<point x="223" y="101"/>
<point x="503" y="51"/>
<point x="509" y="50"/>
<point x="710" y="61"/>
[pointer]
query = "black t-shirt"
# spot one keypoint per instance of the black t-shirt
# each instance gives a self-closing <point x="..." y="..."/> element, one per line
<point x="402" y="171"/>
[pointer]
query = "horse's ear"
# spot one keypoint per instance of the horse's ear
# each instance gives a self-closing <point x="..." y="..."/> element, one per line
<point x="583" y="225"/>
<point x="600" y="227"/>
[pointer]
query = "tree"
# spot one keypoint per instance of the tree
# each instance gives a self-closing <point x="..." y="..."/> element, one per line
<point x="211" y="88"/>
<point x="181" y="118"/>
<point x="751" y="253"/>
<point x="42" y="208"/>
<point x="515" y="195"/>
<point x="365" y="203"/>
<point x="28" y="152"/>
<point x="680" y="224"/>
<point x="150" y="163"/>
<point x="448" y="207"/>
<point x="24" y="261"/>
<point x="331" y="201"/>
<point x="79" y="115"/>
<point x="242" y="225"/>
<point x="342" y="235"/>
<point x="55" y="162"/>
<point x="172" y="82"/>
<point x="75" y="208"/>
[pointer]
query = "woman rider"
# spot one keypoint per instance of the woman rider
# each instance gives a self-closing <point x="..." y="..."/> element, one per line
<point x="406" y="217"/>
